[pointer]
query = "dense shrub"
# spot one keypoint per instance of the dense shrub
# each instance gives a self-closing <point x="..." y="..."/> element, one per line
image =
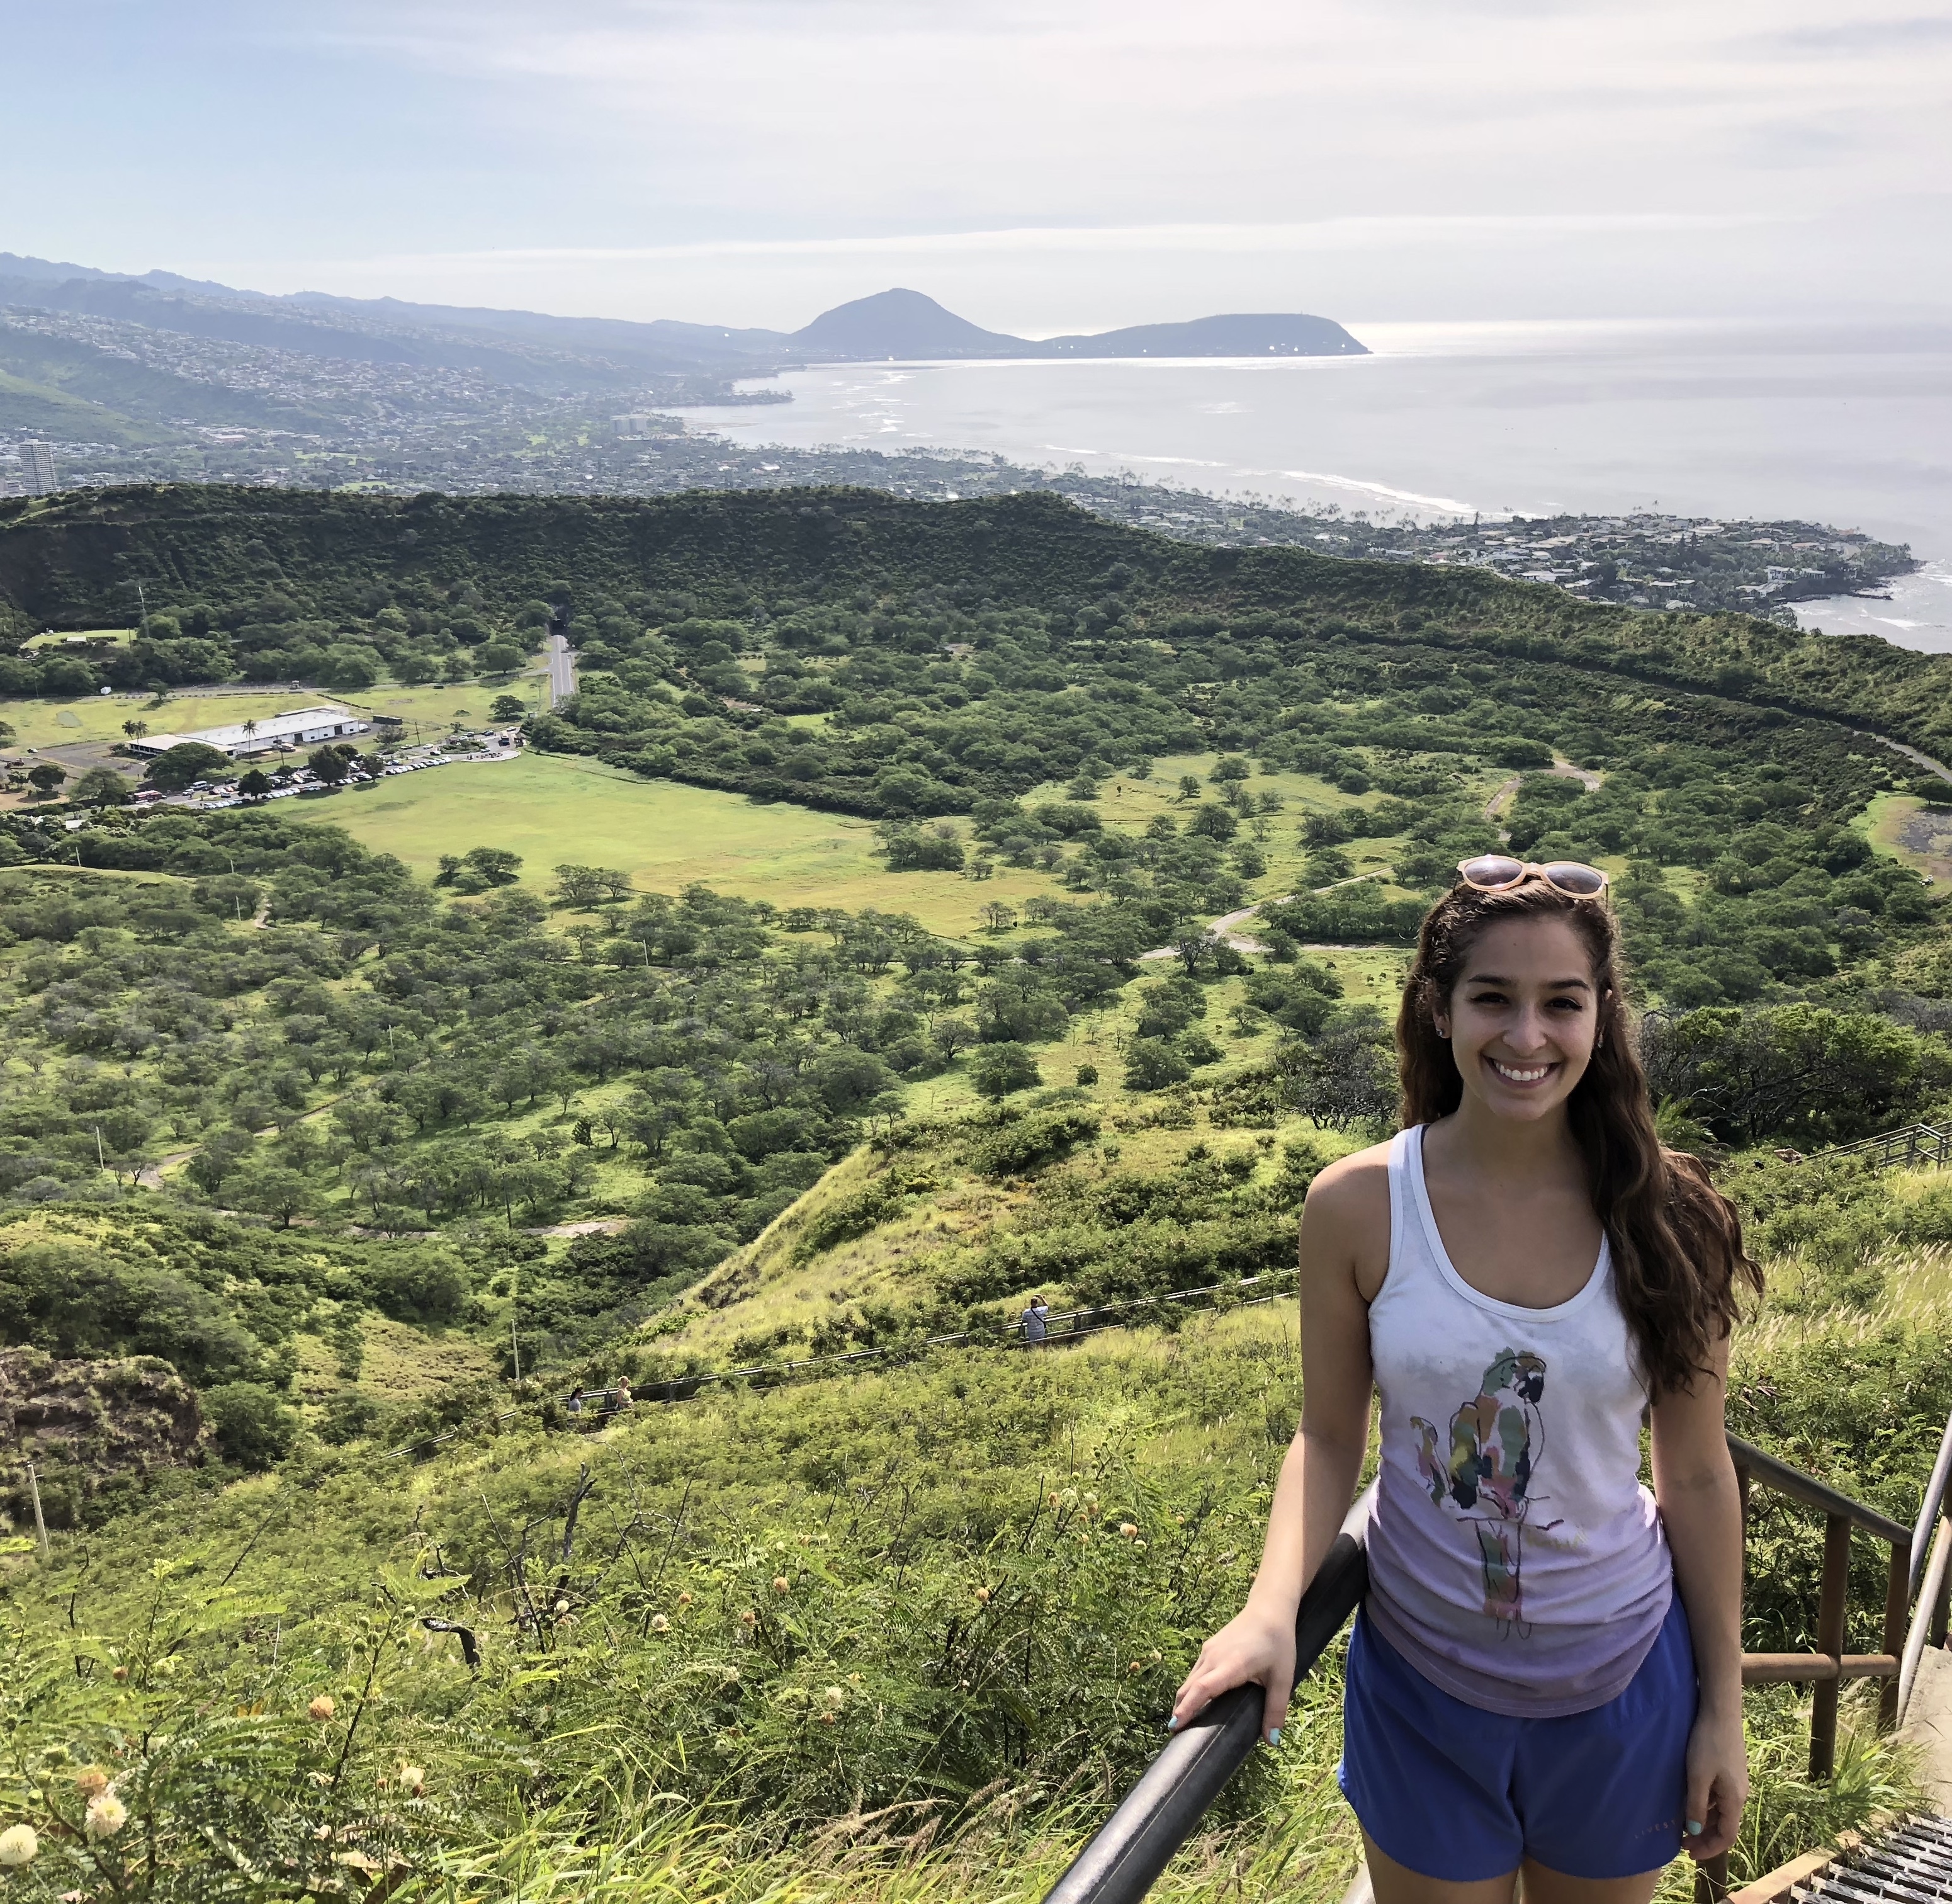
<point x="1036" y="1139"/>
<point x="249" y="1425"/>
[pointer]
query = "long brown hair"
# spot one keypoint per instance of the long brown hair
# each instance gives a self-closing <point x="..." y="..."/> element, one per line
<point x="1677" y="1242"/>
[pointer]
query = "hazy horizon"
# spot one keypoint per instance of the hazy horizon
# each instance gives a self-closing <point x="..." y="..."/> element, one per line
<point x="754" y="162"/>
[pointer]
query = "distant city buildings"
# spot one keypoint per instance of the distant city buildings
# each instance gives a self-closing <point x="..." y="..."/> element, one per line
<point x="638" y="422"/>
<point x="37" y="468"/>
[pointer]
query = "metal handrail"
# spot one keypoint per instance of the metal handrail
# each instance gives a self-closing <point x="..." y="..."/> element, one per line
<point x="1162" y="1811"/>
<point x="1930" y="1508"/>
<point x="1781" y="1478"/>
<point x="1916" y="1142"/>
<point x="1928" y="1613"/>
<point x="1922" y="1616"/>
<point x="1121" y="1863"/>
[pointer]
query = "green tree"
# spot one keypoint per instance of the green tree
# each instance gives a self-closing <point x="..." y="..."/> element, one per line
<point x="249" y="1424"/>
<point x="272" y="1190"/>
<point x="348" y="668"/>
<point x="496" y="864"/>
<point x="255" y="783"/>
<point x="46" y="776"/>
<point x="1346" y="1079"/>
<point x="217" y="1158"/>
<point x="507" y="707"/>
<point x="1799" y="1072"/>
<point x="186" y="761"/>
<point x="996" y="1070"/>
<point x="101" y="787"/>
<point x="1151" y="1064"/>
<point x="330" y="764"/>
<point x="578" y="886"/>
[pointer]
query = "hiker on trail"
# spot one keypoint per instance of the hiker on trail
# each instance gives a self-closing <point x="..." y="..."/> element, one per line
<point x="1545" y="1677"/>
<point x="623" y="1390"/>
<point x="1036" y="1320"/>
<point x="576" y="1402"/>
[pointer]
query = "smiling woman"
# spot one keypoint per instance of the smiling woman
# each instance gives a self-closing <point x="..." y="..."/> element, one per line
<point x="1549" y="1659"/>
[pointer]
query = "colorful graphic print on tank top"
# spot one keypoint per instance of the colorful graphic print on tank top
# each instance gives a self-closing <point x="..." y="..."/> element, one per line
<point x="1496" y="1441"/>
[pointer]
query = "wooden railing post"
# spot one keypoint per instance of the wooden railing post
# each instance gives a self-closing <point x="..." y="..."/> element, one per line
<point x="1711" y="1879"/>
<point x="1832" y="1611"/>
<point x="1897" y="1596"/>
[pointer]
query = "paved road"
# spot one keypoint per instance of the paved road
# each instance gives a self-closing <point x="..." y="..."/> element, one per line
<point x="1897" y="746"/>
<point x="561" y="668"/>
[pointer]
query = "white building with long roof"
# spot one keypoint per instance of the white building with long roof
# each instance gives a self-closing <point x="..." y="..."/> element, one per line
<point x="303" y="727"/>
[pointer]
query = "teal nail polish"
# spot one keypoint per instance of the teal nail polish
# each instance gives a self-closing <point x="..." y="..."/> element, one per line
<point x="1274" y="1737"/>
<point x="1694" y="1827"/>
<point x="1172" y="1724"/>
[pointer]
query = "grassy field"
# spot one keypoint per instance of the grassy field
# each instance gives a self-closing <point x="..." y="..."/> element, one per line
<point x="1905" y="829"/>
<point x="439" y="706"/>
<point x="99" y="717"/>
<point x="553" y="810"/>
<point x="117" y="637"/>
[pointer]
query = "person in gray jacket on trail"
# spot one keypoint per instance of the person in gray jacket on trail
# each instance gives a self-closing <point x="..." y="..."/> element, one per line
<point x="1036" y="1320"/>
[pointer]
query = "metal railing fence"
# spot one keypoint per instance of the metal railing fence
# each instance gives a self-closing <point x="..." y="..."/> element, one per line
<point x="1135" y="1843"/>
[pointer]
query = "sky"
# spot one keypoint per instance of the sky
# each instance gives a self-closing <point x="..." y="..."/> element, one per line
<point x="1073" y="165"/>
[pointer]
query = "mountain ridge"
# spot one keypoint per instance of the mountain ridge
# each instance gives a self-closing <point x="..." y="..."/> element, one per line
<point x="528" y="348"/>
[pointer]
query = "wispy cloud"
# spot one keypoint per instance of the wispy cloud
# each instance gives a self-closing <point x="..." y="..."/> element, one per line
<point x="1867" y="38"/>
<point x="1325" y="235"/>
<point x="665" y="154"/>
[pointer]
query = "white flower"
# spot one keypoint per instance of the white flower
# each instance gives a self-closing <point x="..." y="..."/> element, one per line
<point x="106" y="1815"/>
<point x="19" y="1846"/>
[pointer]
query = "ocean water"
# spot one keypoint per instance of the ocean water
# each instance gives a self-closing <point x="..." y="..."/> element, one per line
<point x="1850" y="425"/>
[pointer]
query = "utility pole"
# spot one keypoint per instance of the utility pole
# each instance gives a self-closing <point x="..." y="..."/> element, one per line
<point x="40" y="1522"/>
<point x="142" y="605"/>
<point x="101" y="1160"/>
<point x="514" y="1340"/>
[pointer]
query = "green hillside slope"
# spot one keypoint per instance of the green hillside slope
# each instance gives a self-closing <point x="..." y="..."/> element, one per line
<point x="65" y="565"/>
<point x="924" y="905"/>
<point x="136" y="396"/>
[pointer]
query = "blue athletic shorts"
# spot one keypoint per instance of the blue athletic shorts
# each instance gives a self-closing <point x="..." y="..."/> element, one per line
<point x="1452" y="1791"/>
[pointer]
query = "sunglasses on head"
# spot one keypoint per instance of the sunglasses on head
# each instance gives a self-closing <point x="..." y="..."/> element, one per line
<point x="1499" y="872"/>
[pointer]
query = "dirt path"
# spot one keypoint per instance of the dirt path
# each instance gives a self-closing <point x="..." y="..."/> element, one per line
<point x="151" y="1178"/>
<point x="1226" y="927"/>
<point x="1564" y="769"/>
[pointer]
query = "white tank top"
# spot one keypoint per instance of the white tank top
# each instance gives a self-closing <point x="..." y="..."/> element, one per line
<point x="1514" y="1558"/>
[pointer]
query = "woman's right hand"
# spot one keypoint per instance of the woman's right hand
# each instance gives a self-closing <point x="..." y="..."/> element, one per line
<point x="1252" y="1647"/>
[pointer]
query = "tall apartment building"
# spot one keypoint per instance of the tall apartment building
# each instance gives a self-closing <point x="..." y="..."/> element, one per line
<point x="37" y="467"/>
